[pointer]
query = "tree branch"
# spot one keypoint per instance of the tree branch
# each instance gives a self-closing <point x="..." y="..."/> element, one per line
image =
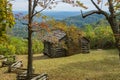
<point x="95" y="12"/>
<point x="34" y="6"/>
<point x="41" y="9"/>
<point x="98" y="11"/>
<point x="96" y="5"/>
<point x="38" y="12"/>
<point x="90" y="13"/>
<point x="111" y="8"/>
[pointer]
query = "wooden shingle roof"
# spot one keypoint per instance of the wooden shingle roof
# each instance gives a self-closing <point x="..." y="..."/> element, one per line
<point x="86" y="39"/>
<point x="54" y="36"/>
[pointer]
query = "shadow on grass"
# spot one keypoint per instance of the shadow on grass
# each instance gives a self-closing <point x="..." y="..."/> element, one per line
<point x="105" y="64"/>
<point x="40" y="57"/>
<point x="111" y="51"/>
<point x="106" y="69"/>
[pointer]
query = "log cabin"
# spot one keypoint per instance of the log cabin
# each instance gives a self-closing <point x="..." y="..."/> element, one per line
<point x="56" y="44"/>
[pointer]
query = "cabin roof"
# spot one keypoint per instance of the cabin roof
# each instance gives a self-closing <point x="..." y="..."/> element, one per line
<point x="54" y="36"/>
<point x="86" y="39"/>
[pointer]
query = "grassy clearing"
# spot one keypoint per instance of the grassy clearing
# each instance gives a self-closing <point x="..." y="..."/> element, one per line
<point x="98" y="65"/>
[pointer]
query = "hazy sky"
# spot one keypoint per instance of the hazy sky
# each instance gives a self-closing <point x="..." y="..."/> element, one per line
<point x="22" y="5"/>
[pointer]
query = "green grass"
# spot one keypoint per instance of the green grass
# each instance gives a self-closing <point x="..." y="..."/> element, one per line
<point x="98" y="65"/>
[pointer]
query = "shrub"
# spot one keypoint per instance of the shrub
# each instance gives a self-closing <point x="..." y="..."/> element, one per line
<point x="37" y="46"/>
<point x="17" y="45"/>
<point x="100" y="37"/>
<point x="20" y="45"/>
<point x="7" y="49"/>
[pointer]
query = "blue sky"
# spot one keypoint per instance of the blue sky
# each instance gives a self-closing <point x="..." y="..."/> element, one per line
<point x="22" y="5"/>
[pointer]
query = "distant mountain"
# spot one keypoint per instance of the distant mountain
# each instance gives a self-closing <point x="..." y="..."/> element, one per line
<point x="68" y="17"/>
<point x="57" y="15"/>
<point x="80" y="22"/>
<point x="61" y="15"/>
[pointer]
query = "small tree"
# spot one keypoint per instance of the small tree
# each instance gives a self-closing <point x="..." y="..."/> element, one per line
<point x="32" y="4"/>
<point x="6" y="20"/>
<point x="6" y="16"/>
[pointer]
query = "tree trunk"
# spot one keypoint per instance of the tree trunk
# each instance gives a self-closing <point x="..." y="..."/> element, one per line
<point x="115" y="28"/>
<point x="30" y="54"/>
<point x="118" y="43"/>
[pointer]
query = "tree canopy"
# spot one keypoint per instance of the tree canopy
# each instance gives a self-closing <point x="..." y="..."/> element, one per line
<point x="6" y="16"/>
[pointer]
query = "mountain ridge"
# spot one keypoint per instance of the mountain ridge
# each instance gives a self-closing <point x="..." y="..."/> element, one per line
<point x="70" y="18"/>
<point x="80" y="22"/>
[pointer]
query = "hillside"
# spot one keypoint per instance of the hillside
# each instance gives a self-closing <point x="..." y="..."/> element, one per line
<point x="67" y="17"/>
<point x="57" y="15"/>
<point x="79" y="21"/>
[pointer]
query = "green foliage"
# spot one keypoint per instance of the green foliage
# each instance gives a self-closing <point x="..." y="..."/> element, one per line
<point x="17" y="45"/>
<point x="6" y="18"/>
<point x="20" y="45"/>
<point x="100" y="36"/>
<point x="73" y="33"/>
<point x="80" y="22"/>
<point x="7" y="49"/>
<point x="19" y="30"/>
<point x="37" y="46"/>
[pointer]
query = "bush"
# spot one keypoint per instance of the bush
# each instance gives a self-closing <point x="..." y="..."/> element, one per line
<point x="100" y="37"/>
<point x="17" y="45"/>
<point x="20" y="45"/>
<point x="7" y="49"/>
<point x="37" y="46"/>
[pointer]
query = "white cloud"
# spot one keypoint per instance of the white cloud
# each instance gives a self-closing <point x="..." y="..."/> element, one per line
<point x="22" y="5"/>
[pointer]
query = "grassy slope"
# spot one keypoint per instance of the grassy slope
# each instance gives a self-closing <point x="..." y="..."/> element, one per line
<point x="98" y="65"/>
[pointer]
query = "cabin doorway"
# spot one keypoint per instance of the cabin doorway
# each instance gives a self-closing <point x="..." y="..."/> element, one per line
<point x="47" y="48"/>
